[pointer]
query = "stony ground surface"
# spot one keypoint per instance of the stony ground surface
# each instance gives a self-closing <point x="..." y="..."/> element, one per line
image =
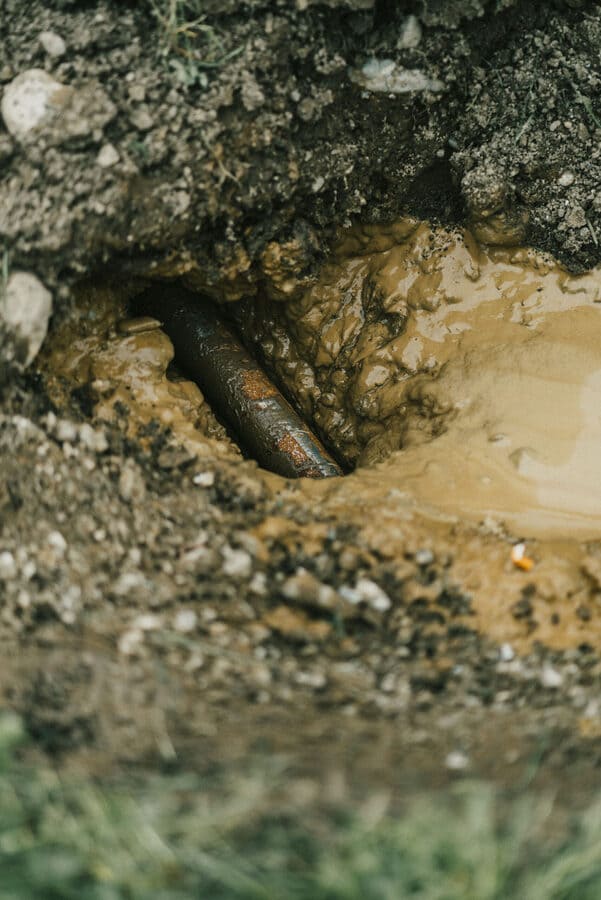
<point x="158" y="610"/>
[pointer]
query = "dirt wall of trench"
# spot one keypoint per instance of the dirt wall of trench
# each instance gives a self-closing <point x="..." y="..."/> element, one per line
<point x="260" y="133"/>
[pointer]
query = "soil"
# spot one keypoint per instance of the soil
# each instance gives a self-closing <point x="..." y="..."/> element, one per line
<point x="166" y="603"/>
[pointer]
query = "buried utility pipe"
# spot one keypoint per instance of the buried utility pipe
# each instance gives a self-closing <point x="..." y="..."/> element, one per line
<point x="266" y="426"/>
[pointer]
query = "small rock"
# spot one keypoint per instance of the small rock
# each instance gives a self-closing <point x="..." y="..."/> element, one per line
<point x="316" y="680"/>
<point x="56" y="541"/>
<point x="147" y="622"/>
<point x="27" y="310"/>
<point x="457" y="761"/>
<point x="204" y="479"/>
<point x="185" y="621"/>
<point x="258" y="584"/>
<point x="251" y="94"/>
<point x="551" y="678"/>
<point x="236" y="563"/>
<point x="368" y="592"/>
<point x="424" y="557"/>
<point x="132" y="585"/>
<point x="93" y="439"/>
<point x="506" y="652"/>
<point x="65" y="431"/>
<point x="131" y="484"/>
<point x="307" y="590"/>
<point x="137" y="92"/>
<point x="388" y="683"/>
<point x="576" y="217"/>
<point x="130" y="641"/>
<point x="385" y="76"/>
<point x="566" y="179"/>
<point x="199" y="559"/>
<point x="53" y="43"/>
<point x="141" y="119"/>
<point x="29" y="99"/>
<point x="411" y="34"/>
<point x="8" y="566"/>
<point x="107" y="156"/>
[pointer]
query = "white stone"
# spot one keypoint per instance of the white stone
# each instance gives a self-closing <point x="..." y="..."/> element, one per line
<point x="566" y="179"/>
<point x="130" y="641"/>
<point x="129" y="583"/>
<point x="551" y="678"/>
<point x="28" y="100"/>
<point x="27" y="310"/>
<point x="424" y="557"/>
<point x="8" y="566"/>
<point x="236" y="563"/>
<point x="385" y="76"/>
<point x="93" y="439"/>
<point x="147" y="622"/>
<point x="185" y="621"/>
<point x="315" y="680"/>
<point x="56" y="540"/>
<point x="65" y="431"/>
<point x="258" y="584"/>
<point x="204" y="479"/>
<point x="457" y="761"/>
<point x="141" y="119"/>
<point x="53" y="43"/>
<point x="131" y="484"/>
<point x="368" y="592"/>
<point x="107" y="156"/>
<point x="411" y="34"/>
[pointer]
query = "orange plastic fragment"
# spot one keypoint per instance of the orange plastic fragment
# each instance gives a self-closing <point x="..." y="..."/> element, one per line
<point x="519" y="558"/>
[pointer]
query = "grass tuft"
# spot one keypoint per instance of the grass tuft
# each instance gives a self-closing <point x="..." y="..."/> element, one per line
<point x="191" y="46"/>
<point x="171" y="838"/>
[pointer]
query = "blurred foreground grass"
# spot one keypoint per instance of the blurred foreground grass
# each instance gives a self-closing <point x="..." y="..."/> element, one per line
<point x="170" y="838"/>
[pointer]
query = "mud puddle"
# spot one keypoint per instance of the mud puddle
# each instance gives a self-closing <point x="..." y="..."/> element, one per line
<point x="461" y="382"/>
<point x="481" y="366"/>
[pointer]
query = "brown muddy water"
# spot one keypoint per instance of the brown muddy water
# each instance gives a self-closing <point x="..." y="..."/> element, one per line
<point x="461" y="382"/>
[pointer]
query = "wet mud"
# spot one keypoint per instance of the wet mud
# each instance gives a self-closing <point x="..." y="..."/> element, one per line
<point x="479" y="363"/>
<point x="119" y="366"/>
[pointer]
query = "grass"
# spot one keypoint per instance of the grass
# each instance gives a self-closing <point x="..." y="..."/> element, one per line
<point x="170" y="838"/>
<point x="191" y="45"/>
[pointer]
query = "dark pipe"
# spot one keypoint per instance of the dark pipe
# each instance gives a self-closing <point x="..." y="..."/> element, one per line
<point x="267" y="427"/>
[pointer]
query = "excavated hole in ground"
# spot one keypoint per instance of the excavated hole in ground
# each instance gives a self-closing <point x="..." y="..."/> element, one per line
<point x="459" y="381"/>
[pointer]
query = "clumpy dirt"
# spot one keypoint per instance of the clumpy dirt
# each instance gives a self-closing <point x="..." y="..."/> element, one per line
<point x="163" y="601"/>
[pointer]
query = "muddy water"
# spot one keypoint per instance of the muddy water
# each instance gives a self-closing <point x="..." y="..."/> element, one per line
<point x="523" y="443"/>
<point x="470" y="378"/>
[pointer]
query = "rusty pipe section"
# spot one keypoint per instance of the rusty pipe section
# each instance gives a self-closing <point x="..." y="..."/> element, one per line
<point x="265" y="424"/>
